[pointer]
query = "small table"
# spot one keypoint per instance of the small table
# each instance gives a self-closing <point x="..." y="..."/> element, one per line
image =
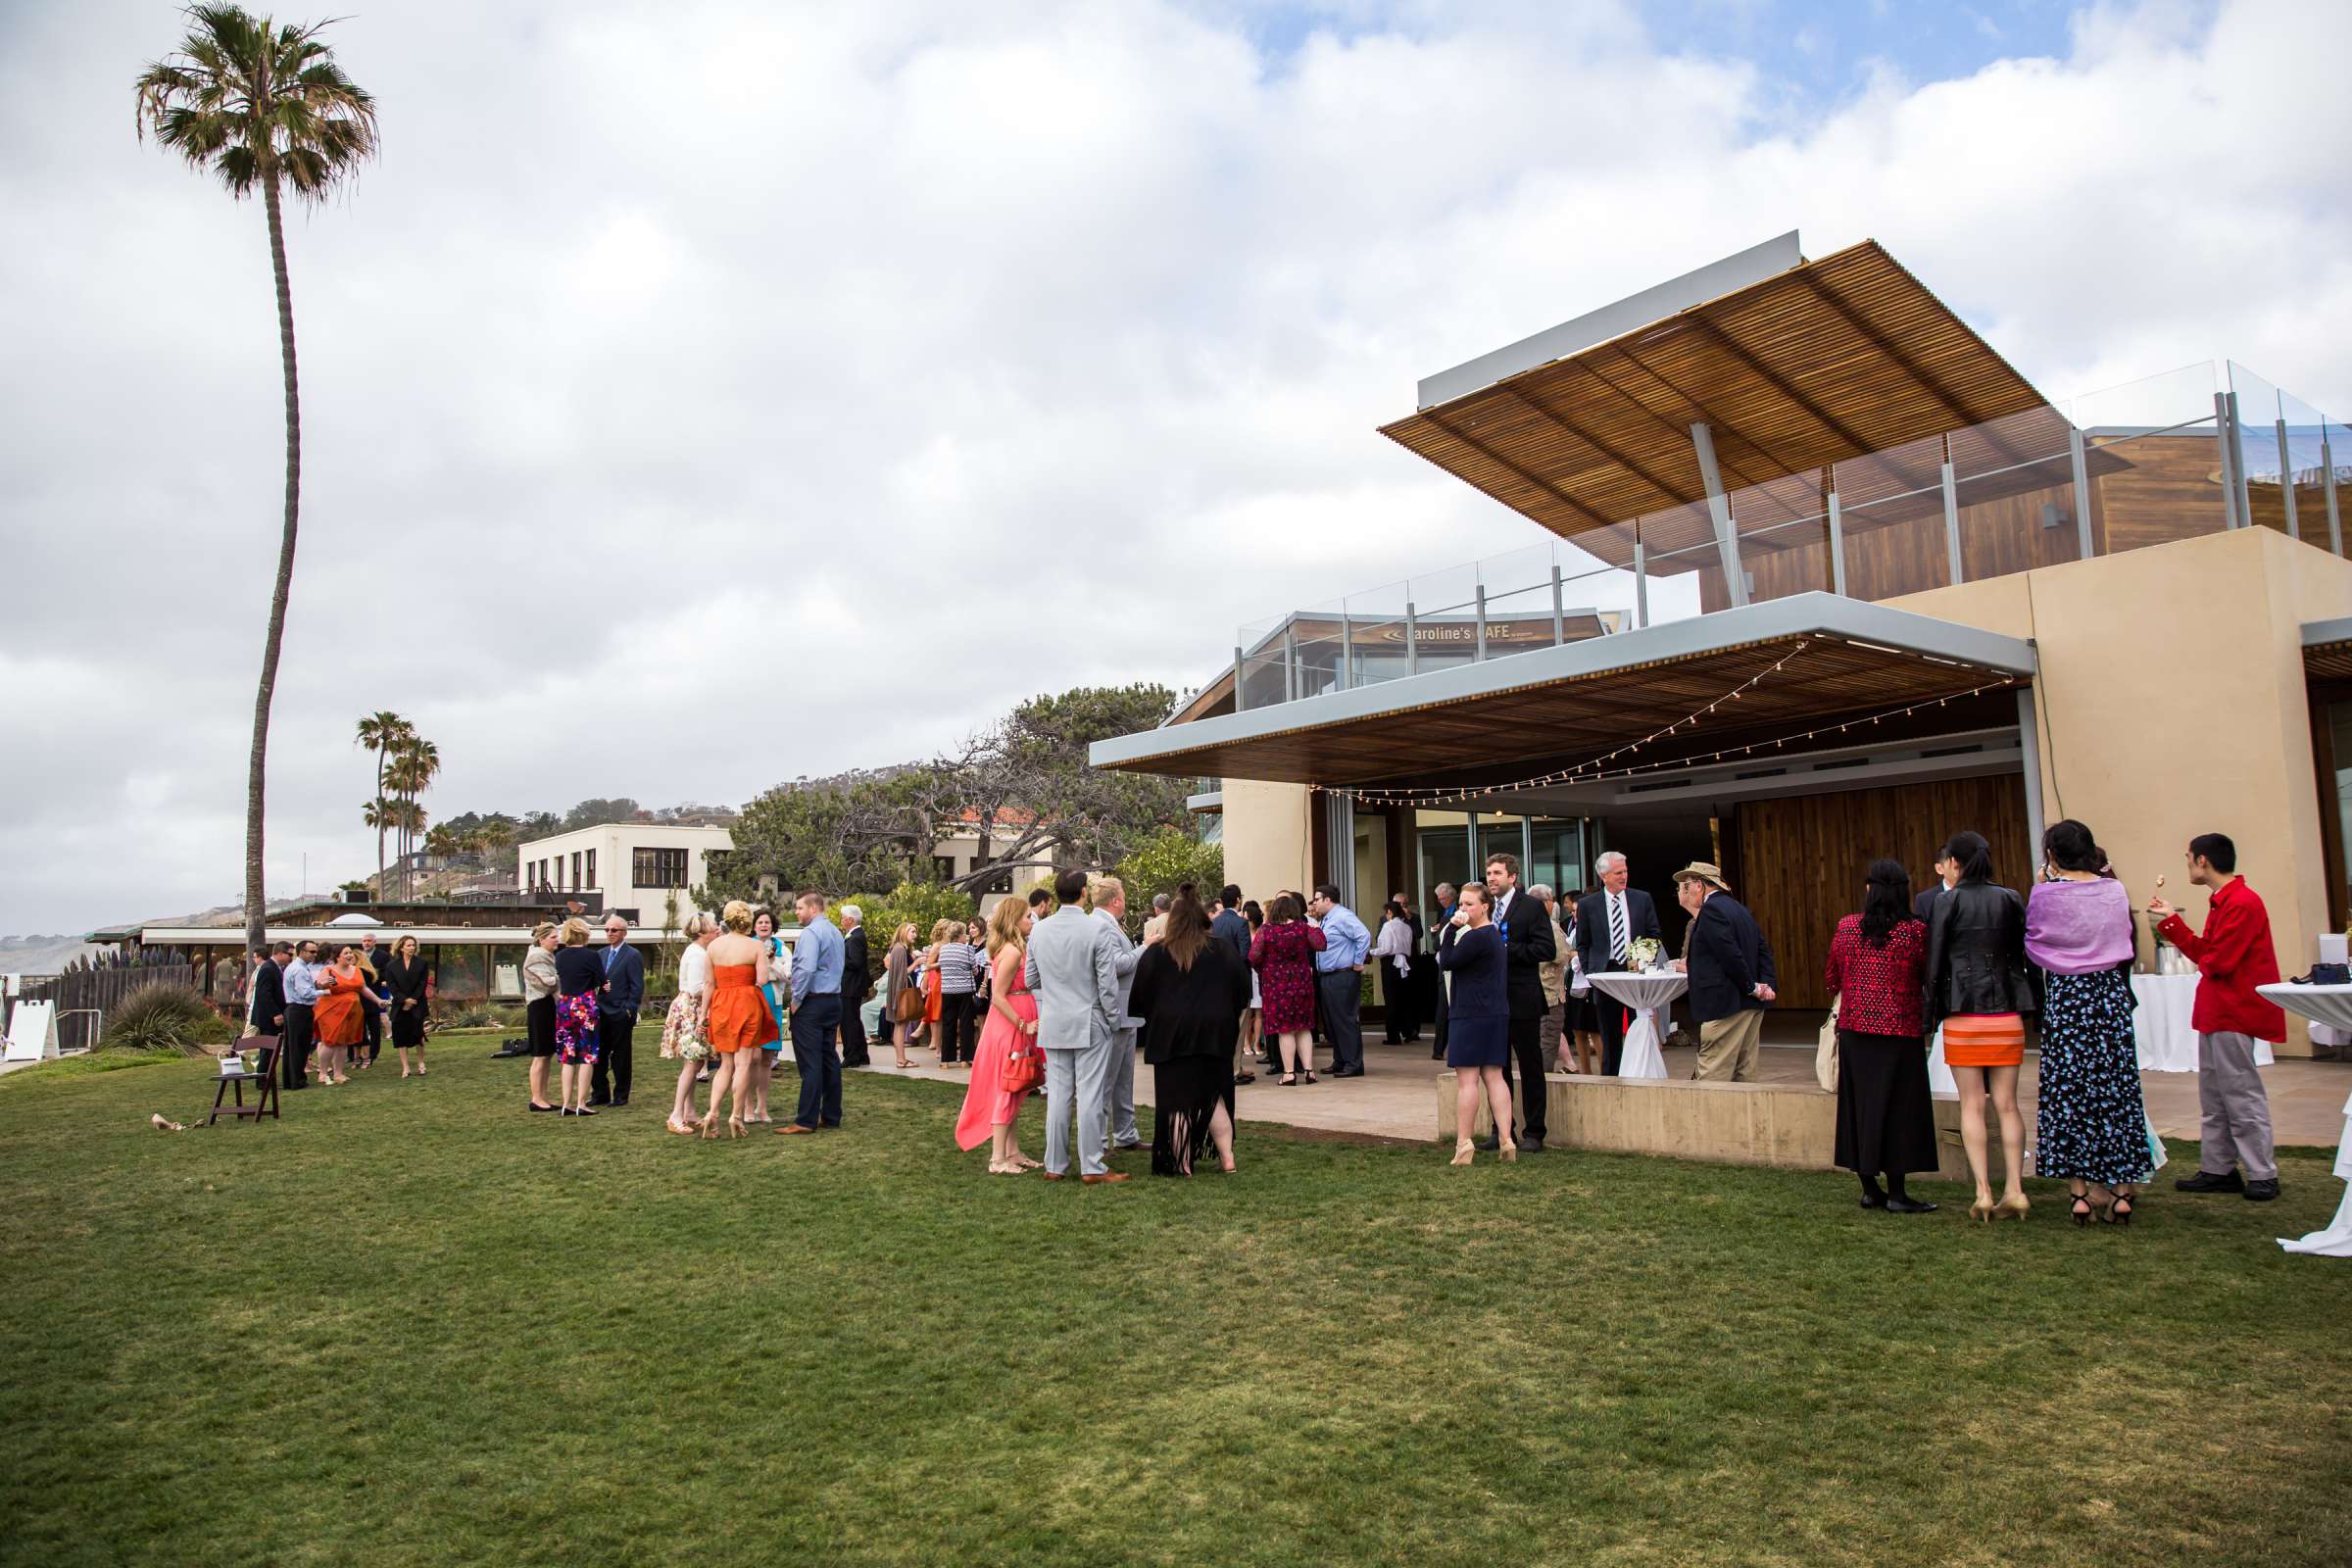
<point x="2330" y="1006"/>
<point x="1645" y="991"/>
<point x="2162" y="1006"/>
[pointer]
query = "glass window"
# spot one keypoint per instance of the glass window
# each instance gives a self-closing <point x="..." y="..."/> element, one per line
<point x="2339" y="735"/>
<point x="1442" y="843"/>
<point x="658" y="868"/>
<point x="1557" y="859"/>
<point x="592" y="881"/>
<point x="1502" y="835"/>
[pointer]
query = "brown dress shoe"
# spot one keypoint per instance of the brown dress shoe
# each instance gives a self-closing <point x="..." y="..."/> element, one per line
<point x="1050" y="1175"/>
<point x="793" y="1127"/>
<point x="1106" y="1176"/>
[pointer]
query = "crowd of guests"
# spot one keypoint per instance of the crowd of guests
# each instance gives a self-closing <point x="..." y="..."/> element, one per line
<point x="329" y="1018"/>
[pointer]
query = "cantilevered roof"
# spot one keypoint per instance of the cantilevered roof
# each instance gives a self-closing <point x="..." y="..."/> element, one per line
<point x="1817" y="363"/>
<point x="1508" y="718"/>
<point x="2327" y="649"/>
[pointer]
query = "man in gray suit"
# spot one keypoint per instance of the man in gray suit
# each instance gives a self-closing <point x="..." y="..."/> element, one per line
<point x="1118" y="1086"/>
<point x="1075" y="978"/>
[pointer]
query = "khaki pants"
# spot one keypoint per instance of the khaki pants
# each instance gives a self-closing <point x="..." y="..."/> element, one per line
<point x="1728" y="1048"/>
<point x="1552" y="1036"/>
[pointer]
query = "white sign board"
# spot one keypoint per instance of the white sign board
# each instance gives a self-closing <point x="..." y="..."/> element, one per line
<point x="32" y="1032"/>
<point x="508" y="981"/>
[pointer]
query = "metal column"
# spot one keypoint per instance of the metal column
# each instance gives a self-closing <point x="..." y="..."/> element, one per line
<point x="1837" y="546"/>
<point x="1238" y="694"/>
<point x="2237" y="465"/>
<point x="2335" y="527"/>
<point x="2029" y="743"/>
<point x="1482" y="622"/>
<point x="1347" y="647"/>
<point x="1640" y="584"/>
<point x="1412" y="640"/>
<point x="1951" y="524"/>
<point x="1719" y="507"/>
<point x="1560" y="613"/>
<point x="2073" y="450"/>
<point x="2287" y="481"/>
<point x="1290" y="662"/>
<point x="2231" y="517"/>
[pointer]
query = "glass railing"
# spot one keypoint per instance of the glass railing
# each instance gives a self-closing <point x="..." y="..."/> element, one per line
<point x="2142" y="464"/>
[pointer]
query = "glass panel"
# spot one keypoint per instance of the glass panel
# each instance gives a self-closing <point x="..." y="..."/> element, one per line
<point x="2155" y="487"/>
<point x="1891" y="514"/>
<point x="1445" y="609"/>
<point x="1441" y="840"/>
<point x="2015" y="480"/>
<point x="2258" y="415"/>
<point x="1260" y="642"/>
<point x="1783" y="529"/>
<point x="1502" y="835"/>
<point x="2303" y="425"/>
<point x="1557" y="859"/>
<point x="1376" y="635"/>
<point x="1684" y="567"/>
<point x="1315" y="634"/>
<point x="2156" y="401"/>
<point x="1596" y="587"/>
<point x="2338" y="453"/>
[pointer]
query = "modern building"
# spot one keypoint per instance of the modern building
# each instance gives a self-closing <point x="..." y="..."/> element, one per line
<point x="639" y="868"/>
<point x="1847" y="583"/>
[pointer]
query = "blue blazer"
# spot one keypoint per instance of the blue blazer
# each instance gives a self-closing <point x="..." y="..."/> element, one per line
<point x="1476" y="958"/>
<point x="627" y="977"/>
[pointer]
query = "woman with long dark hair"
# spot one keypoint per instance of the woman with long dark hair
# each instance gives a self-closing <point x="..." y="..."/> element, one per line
<point x="1190" y="992"/>
<point x="1284" y="955"/>
<point x="2092" y="1125"/>
<point x="1978" y="989"/>
<point x="1885" y="1124"/>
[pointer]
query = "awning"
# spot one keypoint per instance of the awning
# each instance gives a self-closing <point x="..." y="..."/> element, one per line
<point x="1662" y="695"/>
<point x="2327" y="649"/>
<point x="1820" y="362"/>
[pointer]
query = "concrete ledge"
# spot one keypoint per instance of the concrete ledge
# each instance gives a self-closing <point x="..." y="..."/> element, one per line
<point x="1787" y="1125"/>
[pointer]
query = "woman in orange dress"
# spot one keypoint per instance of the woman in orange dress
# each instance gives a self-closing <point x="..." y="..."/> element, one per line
<point x="990" y="1112"/>
<point x="1978" y="986"/>
<point x="336" y="1019"/>
<point x="738" y="1017"/>
<point x="928" y="964"/>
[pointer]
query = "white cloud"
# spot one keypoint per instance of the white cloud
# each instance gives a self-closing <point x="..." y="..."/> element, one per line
<point x="828" y="365"/>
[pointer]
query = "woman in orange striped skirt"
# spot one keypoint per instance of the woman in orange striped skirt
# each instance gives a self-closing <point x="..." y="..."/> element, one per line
<point x="1978" y="986"/>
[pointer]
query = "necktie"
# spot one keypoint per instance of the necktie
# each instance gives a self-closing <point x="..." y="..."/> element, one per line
<point x="609" y="953"/>
<point x="1617" y="927"/>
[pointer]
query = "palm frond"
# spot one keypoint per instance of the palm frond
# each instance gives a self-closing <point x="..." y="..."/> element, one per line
<point x="252" y="102"/>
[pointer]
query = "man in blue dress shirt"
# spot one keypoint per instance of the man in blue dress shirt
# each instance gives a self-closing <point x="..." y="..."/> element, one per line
<point x="302" y="993"/>
<point x="1340" y="979"/>
<point x="816" y="956"/>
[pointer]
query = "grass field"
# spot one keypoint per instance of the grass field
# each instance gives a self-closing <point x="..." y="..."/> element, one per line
<point x="413" y="1324"/>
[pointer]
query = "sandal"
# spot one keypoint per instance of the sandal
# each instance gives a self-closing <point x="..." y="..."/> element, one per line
<point x="1308" y="1077"/>
<point x="1288" y="1079"/>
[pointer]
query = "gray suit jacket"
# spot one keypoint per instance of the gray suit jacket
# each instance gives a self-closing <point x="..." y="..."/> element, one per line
<point x="1124" y="955"/>
<point x="1075" y="978"/>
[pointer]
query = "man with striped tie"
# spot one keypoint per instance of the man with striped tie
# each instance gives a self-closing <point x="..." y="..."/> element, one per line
<point x="1607" y="923"/>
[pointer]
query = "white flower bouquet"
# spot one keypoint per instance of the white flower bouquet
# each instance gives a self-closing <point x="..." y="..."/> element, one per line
<point x="1643" y="953"/>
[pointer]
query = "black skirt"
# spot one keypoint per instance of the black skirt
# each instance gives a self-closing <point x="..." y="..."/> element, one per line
<point x="539" y="1020"/>
<point x="1186" y="1094"/>
<point x="407" y="1026"/>
<point x="1884" y="1119"/>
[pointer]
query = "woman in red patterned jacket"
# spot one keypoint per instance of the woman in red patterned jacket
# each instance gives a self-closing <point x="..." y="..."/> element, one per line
<point x="1876" y="977"/>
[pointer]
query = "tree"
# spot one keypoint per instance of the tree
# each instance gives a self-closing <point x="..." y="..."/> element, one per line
<point x="262" y="109"/>
<point x="380" y="732"/>
<point x="415" y="762"/>
<point x="596" y="812"/>
<point x="859" y="831"/>
<point x="1166" y="862"/>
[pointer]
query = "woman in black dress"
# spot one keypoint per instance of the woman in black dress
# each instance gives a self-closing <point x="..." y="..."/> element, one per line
<point x="1874" y="975"/>
<point x="405" y="981"/>
<point x="1479" y="1015"/>
<point x="1190" y="992"/>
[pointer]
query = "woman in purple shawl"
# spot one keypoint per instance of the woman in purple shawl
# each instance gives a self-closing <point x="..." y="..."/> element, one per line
<point x="2092" y="1125"/>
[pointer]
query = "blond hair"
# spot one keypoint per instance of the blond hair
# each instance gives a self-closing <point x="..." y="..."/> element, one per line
<point x="541" y="932"/>
<point x="1005" y="926"/>
<point x="939" y="931"/>
<point x="696" y="924"/>
<point x="737" y="917"/>
<point x="575" y="932"/>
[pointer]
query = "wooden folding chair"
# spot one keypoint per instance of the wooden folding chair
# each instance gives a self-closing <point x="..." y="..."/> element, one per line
<point x="264" y="1101"/>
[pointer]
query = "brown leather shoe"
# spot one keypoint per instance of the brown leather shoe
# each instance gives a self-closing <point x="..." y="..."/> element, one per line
<point x="1050" y="1175"/>
<point x="793" y="1127"/>
<point x="1106" y="1176"/>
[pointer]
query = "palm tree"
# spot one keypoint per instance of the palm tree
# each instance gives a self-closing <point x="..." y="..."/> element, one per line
<point x="378" y="815"/>
<point x="380" y="732"/>
<point x="416" y="761"/>
<point x="265" y="108"/>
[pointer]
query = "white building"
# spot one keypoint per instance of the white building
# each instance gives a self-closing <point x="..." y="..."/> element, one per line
<point x="637" y="866"/>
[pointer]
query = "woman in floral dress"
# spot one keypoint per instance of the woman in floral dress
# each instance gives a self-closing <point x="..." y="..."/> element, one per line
<point x="1284" y="955"/>
<point x="2092" y="1125"/>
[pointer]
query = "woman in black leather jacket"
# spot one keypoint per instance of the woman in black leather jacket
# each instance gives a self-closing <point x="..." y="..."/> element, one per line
<point x="1977" y="988"/>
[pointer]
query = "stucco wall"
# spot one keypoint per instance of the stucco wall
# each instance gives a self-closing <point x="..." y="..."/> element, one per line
<point x="2172" y="703"/>
<point x="1266" y="838"/>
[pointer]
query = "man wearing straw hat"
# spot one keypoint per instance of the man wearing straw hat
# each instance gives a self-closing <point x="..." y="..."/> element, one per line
<point x="1730" y="971"/>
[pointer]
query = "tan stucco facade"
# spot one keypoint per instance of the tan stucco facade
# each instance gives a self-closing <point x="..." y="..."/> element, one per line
<point x="1268" y="843"/>
<point x="2171" y="701"/>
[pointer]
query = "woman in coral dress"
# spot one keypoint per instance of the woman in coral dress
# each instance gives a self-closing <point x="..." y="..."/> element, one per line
<point x="1284" y="955"/>
<point x="740" y="1022"/>
<point x="990" y="1112"/>
<point x="336" y="1019"/>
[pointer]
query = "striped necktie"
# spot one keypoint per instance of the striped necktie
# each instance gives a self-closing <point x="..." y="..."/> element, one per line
<point x="1617" y="928"/>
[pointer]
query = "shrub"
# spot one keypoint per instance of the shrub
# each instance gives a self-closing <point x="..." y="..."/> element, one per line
<point x="171" y="1019"/>
<point x="478" y="1015"/>
<point x="922" y="903"/>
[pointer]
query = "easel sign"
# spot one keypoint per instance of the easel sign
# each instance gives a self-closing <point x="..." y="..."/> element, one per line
<point x="32" y="1032"/>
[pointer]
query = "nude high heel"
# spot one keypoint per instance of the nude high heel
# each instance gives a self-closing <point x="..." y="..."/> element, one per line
<point x="1508" y="1149"/>
<point x="2012" y="1207"/>
<point x="1464" y="1151"/>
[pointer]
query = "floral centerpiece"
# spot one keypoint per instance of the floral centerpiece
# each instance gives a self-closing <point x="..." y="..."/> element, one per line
<point x="1641" y="953"/>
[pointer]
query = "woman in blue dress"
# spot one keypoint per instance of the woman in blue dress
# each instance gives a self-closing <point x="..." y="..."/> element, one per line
<point x="1479" y="1014"/>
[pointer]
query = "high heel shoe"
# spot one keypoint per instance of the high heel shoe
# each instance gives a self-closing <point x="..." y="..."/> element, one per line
<point x="2012" y="1207"/>
<point x="1464" y="1151"/>
<point x="708" y="1127"/>
<point x="736" y="1128"/>
<point x="2080" y="1208"/>
<point x="2118" y="1210"/>
<point x="1508" y="1149"/>
<point x="1981" y="1209"/>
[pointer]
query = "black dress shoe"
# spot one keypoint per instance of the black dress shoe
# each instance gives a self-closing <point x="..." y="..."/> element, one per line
<point x="543" y="1107"/>
<point x="594" y="1102"/>
<point x="1348" y="1072"/>
<point x="1907" y="1205"/>
<point x="1531" y="1146"/>
<point x="2206" y="1181"/>
<point x="1489" y="1143"/>
<point x="1874" y="1198"/>
<point x="2262" y="1192"/>
<point x="617" y="1105"/>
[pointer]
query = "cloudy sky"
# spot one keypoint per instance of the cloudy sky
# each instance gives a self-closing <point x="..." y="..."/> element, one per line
<point x="699" y="396"/>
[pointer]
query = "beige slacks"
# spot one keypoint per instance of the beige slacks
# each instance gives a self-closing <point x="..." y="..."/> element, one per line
<point x="1729" y="1048"/>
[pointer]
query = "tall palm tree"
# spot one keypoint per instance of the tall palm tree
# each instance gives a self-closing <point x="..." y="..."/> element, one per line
<point x="262" y="108"/>
<point x="380" y="732"/>
<point x="416" y="761"/>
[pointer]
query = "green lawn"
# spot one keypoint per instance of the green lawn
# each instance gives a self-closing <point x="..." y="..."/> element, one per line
<point x="411" y="1324"/>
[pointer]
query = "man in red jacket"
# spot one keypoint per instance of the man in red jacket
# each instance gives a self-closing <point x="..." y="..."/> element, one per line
<point x="2233" y="955"/>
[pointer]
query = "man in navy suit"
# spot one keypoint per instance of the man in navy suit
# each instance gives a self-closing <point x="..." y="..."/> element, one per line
<point x="1526" y="946"/>
<point x="1608" y="922"/>
<point x="1731" y="974"/>
<point x="617" y="1004"/>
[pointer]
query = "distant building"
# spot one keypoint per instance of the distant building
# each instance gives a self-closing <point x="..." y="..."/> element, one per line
<point x="636" y="867"/>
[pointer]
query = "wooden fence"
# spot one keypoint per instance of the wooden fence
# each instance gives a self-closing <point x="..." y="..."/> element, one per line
<point x="82" y="994"/>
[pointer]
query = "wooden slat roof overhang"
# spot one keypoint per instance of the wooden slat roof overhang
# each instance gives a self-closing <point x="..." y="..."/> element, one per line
<point x="2327" y="649"/>
<point x="1820" y="363"/>
<point x="1508" y="719"/>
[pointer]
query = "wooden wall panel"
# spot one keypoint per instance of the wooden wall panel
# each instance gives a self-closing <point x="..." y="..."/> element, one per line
<point x="1802" y="859"/>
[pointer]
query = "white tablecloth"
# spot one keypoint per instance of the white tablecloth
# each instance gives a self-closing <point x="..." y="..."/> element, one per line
<point x="2161" y="1008"/>
<point x="2330" y="1006"/>
<point x="1645" y="993"/>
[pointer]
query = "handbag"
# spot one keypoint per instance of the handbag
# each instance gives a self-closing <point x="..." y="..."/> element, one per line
<point x="909" y="1005"/>
<point x="1824" y="1054"/>
<point x="1025" y="1066"/>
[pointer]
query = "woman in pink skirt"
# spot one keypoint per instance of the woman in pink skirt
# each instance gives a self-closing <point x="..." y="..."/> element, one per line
<point x="989" y="1112"/>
